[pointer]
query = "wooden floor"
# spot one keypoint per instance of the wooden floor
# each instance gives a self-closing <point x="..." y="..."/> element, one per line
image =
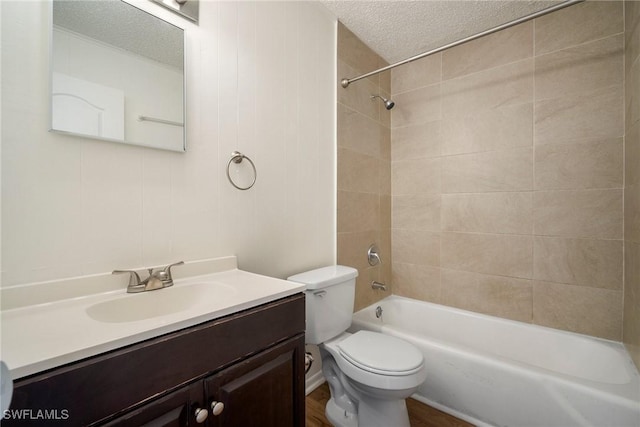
<point x="420" y="415"/>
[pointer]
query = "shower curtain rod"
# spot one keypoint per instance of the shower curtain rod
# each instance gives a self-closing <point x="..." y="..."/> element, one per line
<point x="346" y="82"/>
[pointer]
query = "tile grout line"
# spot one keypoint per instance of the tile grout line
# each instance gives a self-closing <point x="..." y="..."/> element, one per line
<point x="440" y="293"/>
<point x="533" y="177"/>
<point x="624" y="159"/>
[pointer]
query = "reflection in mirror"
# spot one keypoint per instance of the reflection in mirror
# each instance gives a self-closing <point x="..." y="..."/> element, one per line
<point x="117" y="74"/>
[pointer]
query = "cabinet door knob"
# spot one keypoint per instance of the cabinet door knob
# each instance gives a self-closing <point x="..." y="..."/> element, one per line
<point x="201" y="415"/>
<point x="217" y="408"/>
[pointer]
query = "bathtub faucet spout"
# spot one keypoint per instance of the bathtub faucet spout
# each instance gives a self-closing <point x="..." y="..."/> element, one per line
<point x="378" y="286"/>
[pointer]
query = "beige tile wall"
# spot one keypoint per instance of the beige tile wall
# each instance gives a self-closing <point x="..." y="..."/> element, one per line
<point x="507" y="173"/>
<point x="364" y="168"/>
<point x="631" y="326"/>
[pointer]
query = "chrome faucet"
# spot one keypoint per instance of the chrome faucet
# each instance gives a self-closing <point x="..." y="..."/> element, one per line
<point x="158" y="278"/>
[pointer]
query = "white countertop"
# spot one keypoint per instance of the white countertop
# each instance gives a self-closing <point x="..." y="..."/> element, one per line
<point x="43" y="336"/>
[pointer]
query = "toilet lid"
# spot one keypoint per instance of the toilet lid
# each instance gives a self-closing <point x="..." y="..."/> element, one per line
<point x="382" y="354"/>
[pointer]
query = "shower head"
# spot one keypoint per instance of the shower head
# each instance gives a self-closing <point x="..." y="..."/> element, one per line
<point x="388" y="104"/>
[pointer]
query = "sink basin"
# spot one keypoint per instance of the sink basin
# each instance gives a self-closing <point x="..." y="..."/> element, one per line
<point x="160" y="302"/>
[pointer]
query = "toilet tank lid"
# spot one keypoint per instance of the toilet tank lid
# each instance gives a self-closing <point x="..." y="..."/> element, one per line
<point x="325" y="276"/>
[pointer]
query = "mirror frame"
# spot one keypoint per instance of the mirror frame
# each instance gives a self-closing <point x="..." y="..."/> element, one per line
<point x="183" y="147"/>
<point x="187" y="9"/>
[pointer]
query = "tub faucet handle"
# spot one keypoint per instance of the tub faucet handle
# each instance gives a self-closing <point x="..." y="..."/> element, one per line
<point x="373" y="256"/>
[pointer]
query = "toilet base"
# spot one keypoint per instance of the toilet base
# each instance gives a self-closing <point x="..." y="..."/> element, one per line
<point x="383" y="413"/>
<point x="376" y="413"/>
<point x="338" y="416"/>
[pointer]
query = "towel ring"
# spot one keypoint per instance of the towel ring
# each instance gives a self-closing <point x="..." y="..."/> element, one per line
<point x="238" y="157"/>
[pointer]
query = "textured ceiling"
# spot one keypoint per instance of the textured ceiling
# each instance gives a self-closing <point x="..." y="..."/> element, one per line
<point x="119" y="24"/>
<point x="394" y="29"/>
<point x="397" y="30"/>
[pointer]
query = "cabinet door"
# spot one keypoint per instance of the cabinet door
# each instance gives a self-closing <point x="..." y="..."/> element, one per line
<point x="177" y="409"/>
<point x="265" y="390"/>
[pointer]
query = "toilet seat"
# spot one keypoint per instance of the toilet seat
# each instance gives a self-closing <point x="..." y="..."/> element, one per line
<point x="387" y="379"/>
<point x="381" y="354"/>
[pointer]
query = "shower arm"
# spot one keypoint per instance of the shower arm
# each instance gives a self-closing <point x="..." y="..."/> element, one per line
<point x="346" y="82"/>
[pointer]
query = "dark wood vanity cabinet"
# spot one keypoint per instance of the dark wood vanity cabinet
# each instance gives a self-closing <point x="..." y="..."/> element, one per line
<point x="257" y="391"/>
<point x="175" y="409"/>
<point x="251" y="363"/>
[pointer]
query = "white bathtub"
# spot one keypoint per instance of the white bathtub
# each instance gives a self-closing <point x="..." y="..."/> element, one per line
<point x="496" y="372"/>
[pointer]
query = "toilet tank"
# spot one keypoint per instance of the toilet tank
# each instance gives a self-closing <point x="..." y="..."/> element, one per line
<point x="329" y="301"/>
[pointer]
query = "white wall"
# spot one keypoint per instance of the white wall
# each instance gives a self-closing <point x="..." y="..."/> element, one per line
<point x="261" y="79"/>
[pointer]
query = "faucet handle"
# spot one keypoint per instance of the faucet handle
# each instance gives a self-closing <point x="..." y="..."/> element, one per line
<point x="165" y="273"/>
<point x="167" y="269"/>
<point x="134" y="278"/>
<point x="373" y="256"/>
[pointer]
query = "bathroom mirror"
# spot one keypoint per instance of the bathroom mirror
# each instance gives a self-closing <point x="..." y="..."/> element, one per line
<point x="117" y="74"/>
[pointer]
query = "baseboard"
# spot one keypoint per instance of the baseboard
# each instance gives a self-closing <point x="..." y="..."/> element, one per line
<point x="313" y="382"/>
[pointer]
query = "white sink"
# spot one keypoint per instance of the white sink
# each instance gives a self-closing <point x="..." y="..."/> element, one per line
<point x="70" y="323"/>
<point x="160" y="302"/>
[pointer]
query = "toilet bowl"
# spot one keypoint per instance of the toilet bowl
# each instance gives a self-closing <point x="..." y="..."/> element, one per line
<point x="376" y="373"/>
<point x="369" y="374"/>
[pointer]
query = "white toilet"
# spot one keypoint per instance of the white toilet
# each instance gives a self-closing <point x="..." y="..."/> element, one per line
<point x="369" y="374"/>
